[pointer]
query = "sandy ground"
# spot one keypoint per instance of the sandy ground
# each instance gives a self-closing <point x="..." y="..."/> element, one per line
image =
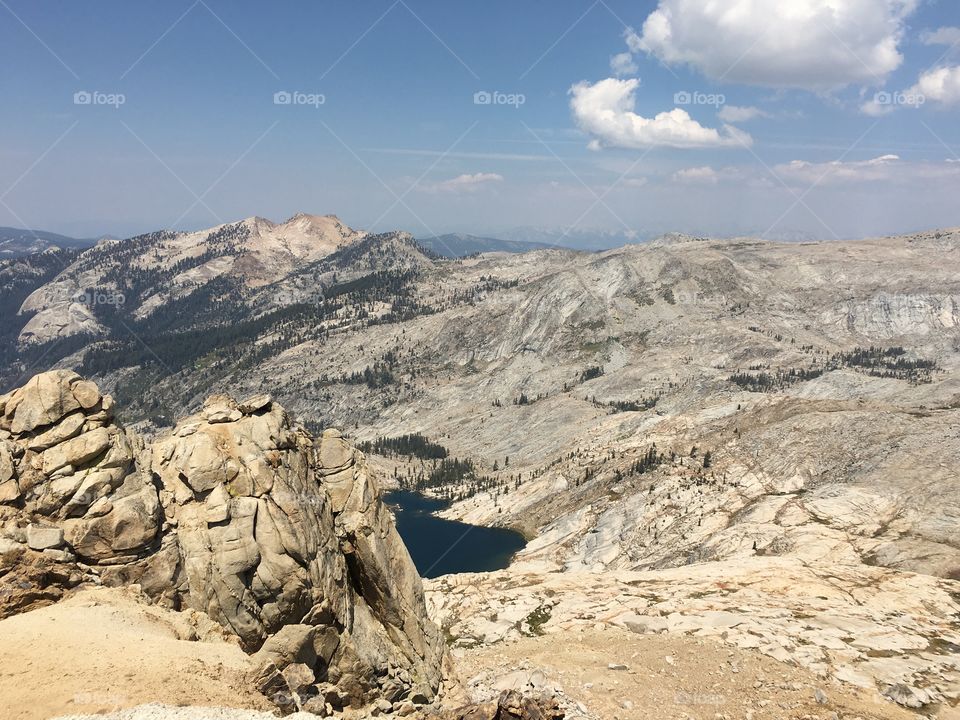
<point x="669" y="678"/>
<point x="102" y="650"/>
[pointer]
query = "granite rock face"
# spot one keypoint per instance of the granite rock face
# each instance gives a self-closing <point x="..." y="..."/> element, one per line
<point x="68" y="474"/>
<point x="882" y="630"/>
<point x="279" y="537"/>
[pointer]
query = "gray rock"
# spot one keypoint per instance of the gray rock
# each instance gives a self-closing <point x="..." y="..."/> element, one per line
<point x="907" y="696"/>
<point x="272" y="567"/>
<point x="6" y="462"/>
<point x="254" y="404"/>
<point x="299" y="677"/>
<point x="86" y="393"/>
<point x="130" y="526"/>
<point x="9" y="492"/>
<point x="59" y="555"/>
<point x="41" y="538"/>
<point x="42" y="401"/>
<point x="76" y="451"/>
<point x="68" y="427"/>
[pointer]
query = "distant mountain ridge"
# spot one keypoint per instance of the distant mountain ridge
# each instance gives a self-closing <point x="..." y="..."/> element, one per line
<point x="150" y="272"/>
<point x="18" y="242"/>
<point x="454" y="245"/>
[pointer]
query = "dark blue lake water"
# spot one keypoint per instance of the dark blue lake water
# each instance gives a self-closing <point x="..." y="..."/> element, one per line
<point x="439" y="547"/>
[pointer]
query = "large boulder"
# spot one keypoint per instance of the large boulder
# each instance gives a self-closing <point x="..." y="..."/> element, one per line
<point x="306" y="571"/>
<point x="45" y="399"/>
<point x="238" y="513"/>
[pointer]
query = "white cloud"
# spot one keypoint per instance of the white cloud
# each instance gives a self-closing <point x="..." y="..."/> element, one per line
<point x="605" y="110"/>
<point x="877" y="169"/>
<point x="622" y="64"/>
<point x="634" y="41"/>
<point x="941" y="36"/>
<point x="886" y="169"/>
<point x="697" y="175"/>
<point x="940" y="85"/>
<point x="810" y="44"/>
<point x="736" y="113"/>
<point x="875" y="108"/>
<point x="464" y="183"/>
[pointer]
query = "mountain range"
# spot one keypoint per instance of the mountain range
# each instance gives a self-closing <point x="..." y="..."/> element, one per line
<point x="16" y="242"/>
<point x="709" y="415"/>
<point x="459" y="245"/>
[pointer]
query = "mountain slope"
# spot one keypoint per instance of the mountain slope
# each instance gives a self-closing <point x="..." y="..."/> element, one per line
<point x="149" y="271"/>
<point x="586" y="389"/>
<point x="744" y="439"/>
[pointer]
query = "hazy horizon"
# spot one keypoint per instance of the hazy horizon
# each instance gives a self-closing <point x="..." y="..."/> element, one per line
<point x="824" y="120"/>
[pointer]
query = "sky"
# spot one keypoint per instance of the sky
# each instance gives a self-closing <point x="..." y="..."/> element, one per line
<point x="817" y="119"/>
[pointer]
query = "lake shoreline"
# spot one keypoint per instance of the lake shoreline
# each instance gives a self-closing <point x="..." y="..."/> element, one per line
<point x="440" y="547"/>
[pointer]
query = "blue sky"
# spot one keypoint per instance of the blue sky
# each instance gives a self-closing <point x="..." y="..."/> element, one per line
<point x="819" y="118"/>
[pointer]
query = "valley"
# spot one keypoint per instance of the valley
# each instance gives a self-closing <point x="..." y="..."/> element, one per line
<point x="750" y="442"/>
<point x="442" y="547"/>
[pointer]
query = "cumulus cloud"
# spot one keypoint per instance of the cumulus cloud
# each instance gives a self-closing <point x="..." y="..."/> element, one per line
<point x="464" y="183"/>
<point x="736" y="113"/>
<point x="605" y="110"/>
<point x="938" y="85"/>
<point x="810" y="44"/>
<point x="941" y="36"/>
<point x="941" y="85"/>
<point x="622" y="64"/>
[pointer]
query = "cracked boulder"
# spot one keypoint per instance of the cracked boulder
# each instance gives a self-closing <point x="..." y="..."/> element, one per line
<point x="285" y="541"/>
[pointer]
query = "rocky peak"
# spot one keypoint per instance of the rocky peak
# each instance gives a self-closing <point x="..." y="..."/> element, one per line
<point x="239" y="513"/>
<point x="676" y="238"/>
<point x="257" y="224"/>
<point x="321" y="224"/>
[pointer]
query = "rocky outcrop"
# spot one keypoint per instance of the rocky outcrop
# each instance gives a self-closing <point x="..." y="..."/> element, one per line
<point x="69" y="484"/>
<point x="285" y="540"/>
<point x="238" y="513"/>
<point x="881" y="630"/>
